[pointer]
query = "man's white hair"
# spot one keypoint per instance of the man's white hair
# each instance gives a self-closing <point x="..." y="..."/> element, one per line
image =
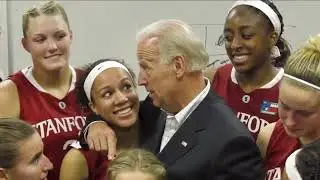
<point x="176" y="38"/>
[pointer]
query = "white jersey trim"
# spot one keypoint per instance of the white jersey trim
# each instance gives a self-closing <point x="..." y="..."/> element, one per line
<point x="270" y="84"/>
<point x="76" y="144"/>
<point x="27" y="72"/>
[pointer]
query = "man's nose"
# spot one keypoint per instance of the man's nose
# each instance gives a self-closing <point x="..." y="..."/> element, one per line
<point x="142" y="80"/>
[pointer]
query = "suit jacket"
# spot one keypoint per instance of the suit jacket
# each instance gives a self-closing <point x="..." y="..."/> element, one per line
<point x="211" y="144"/>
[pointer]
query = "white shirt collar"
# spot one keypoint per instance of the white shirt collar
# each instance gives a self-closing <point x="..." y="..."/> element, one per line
<point x="182" y="115"/>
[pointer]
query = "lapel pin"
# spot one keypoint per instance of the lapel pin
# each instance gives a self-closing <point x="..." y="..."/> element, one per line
<point x="183" y="143"/>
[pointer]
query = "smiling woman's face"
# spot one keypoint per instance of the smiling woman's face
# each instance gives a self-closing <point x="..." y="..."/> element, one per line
<point x="248" y="38"/>
<point x="115" y="98"/>
<point x="48" y="40"/>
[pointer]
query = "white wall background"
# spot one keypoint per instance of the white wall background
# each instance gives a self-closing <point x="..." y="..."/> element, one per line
<point x="4" y="66"/>
<point x="107" y="28"/>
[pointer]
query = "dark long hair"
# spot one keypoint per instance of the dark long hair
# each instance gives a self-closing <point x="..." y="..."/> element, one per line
<point x="81" y="95"/>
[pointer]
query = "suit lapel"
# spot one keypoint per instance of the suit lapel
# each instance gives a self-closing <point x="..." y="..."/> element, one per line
<point x="153" y="143"/>
<point x="181" y="142"/>
<point x="186" y="137"/>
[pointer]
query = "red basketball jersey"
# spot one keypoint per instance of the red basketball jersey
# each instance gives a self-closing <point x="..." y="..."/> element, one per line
<point x="58" y="121"/>
<point x="97" y="162"/>
<point x="255" y="109"/>
<point x="279" y="149"/>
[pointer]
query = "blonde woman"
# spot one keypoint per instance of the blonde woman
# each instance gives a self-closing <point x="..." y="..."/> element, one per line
<point x="43" y="94"/>
<point x="299" y="109"/>
<point x="136" y="164"/>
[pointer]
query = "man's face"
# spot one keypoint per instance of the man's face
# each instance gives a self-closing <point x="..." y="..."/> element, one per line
<point x="158" y="78"/>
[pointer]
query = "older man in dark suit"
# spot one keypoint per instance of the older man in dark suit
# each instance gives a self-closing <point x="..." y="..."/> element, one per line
<point x="192" y="131"/>
<point x="197" y="136"/>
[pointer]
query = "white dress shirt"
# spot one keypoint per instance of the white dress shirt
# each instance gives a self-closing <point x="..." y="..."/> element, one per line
<point x="174" y="122"/>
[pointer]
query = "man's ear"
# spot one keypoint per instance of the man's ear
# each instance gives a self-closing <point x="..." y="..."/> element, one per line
<point x="180" y="65"/>
<point x="25" y="44"/>
<point x="3" y="174"/>
<point x="71" y="35"/>
<point x="93" y="107"/>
